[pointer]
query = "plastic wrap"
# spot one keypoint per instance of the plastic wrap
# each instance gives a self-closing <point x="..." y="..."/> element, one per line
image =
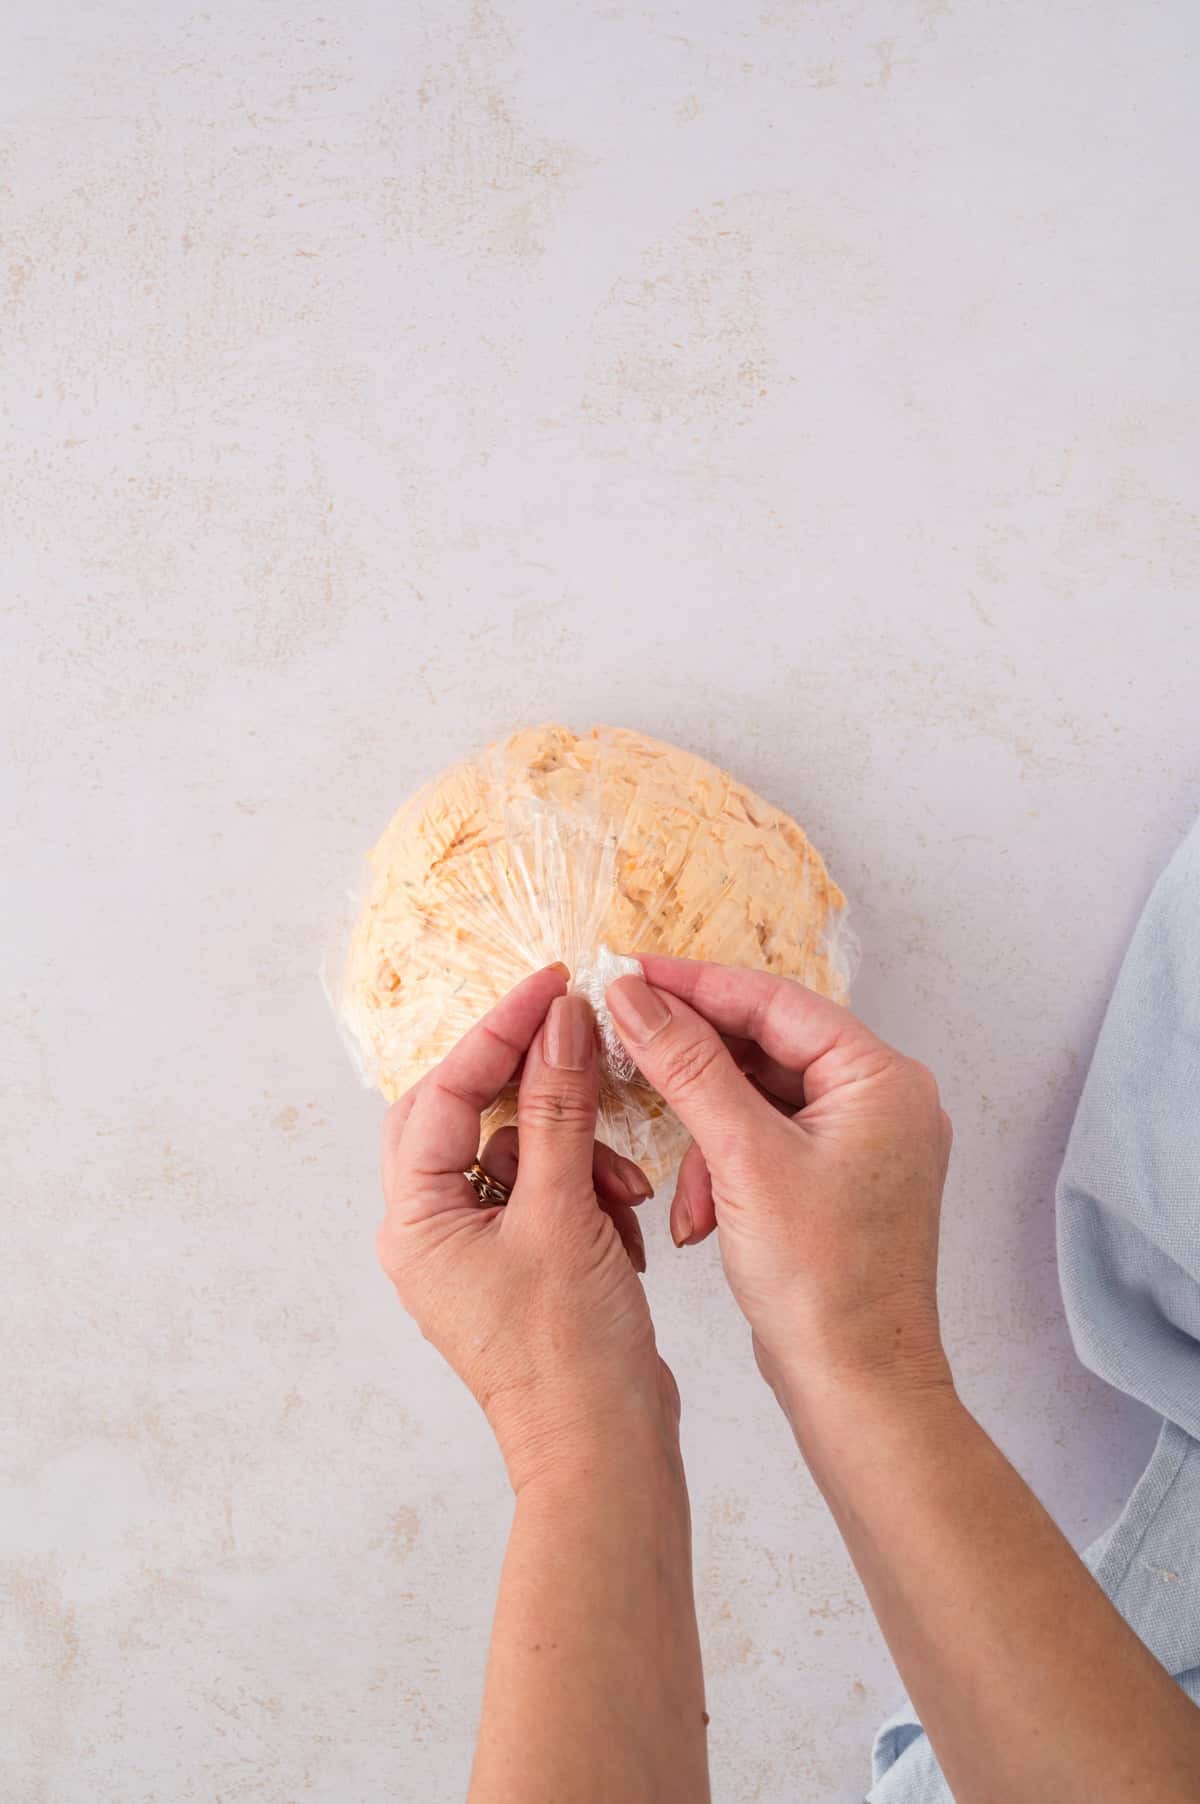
<point x="590" y="849"/>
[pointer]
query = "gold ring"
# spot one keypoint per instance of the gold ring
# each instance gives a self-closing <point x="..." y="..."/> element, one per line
<point x="488" y="1189"/>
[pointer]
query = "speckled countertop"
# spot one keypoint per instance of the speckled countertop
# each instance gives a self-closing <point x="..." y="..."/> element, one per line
<point x="814" y="385"/>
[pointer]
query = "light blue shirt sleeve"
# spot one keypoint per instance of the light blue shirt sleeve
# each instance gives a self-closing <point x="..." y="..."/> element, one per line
<point x="1129" y="1264"/>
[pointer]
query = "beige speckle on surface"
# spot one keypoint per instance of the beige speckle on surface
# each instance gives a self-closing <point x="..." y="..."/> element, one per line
<point x="404" y="1528"/>
<point x="813" y="387"/>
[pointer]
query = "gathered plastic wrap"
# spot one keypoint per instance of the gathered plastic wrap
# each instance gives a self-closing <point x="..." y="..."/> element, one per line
<point x="590" y="849"/>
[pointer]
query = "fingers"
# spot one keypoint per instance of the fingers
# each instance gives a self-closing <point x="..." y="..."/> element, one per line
<point x="779" y="1085"/>
<point x="626" y="1223"/>
<point x="499" y="1156"/>
<point x="693" y="1212"/>
<point x="394" y="1124"/>
<point x="432" y="1134"/>
<point x="616" y="1180"/>
<point x="793" y="1025"/>
<point x="556" y="1109"/>
<point x="619" y="1184"/>
<point x="686" y="1061"/>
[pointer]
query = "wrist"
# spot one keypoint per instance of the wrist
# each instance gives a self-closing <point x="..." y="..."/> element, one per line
<point x="823" y="1401"/>
<point x="634" y="1481"/>
<point x="597" y="1446"/>
<point x="870" y="1447"/>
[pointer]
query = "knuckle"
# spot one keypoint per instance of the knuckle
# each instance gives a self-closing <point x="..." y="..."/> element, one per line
<point x="392" y="1138"/>
<point x="386" y="1250"/>
<point x="687" y="1065"/>
<point x="395" y="1122"/>
<point x="556" y="1107"/>
<point x="924" y="1082"/>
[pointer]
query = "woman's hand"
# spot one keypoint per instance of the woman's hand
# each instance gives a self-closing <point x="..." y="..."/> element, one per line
<point x="536" y="1305"/>
<point x="594" y="1684"/>
<point x="820" y="1155"/>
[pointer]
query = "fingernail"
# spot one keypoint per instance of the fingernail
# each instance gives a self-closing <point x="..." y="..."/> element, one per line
<point x="634" y="1183"/>
<point x="570" y="1033"/>
<point x="560" y="969"/>
<point x="681" y="1221"/>
<point x="638" y="1010"/>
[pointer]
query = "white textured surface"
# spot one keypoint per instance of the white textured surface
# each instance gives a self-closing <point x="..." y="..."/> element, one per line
<point x="815" y="385"/>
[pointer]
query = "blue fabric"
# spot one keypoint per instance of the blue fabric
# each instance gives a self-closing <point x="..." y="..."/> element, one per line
<point x="1129" y="1263"/>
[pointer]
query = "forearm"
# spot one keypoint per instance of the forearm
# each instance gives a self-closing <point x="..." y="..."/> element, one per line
<point x="594" y="1686"/>
<point x="1028" y="1681"/>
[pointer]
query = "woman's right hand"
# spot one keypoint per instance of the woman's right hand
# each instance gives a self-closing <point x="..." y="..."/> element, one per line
<point x="826" y="1203"/>
<point x="819" y="1155"/>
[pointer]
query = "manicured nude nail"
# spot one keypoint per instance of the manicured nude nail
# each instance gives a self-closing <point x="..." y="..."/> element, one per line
<point x="639" y="1011"/>
<point x="570" y="1033"/>
<point x="633" y="1181"/>
<point x="681" y="1221"/>
<point x="560" y="969"/>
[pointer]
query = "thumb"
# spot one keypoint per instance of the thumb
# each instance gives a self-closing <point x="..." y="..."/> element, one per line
<point x="688" y="1063"/>
<point x="556" y="1107"/>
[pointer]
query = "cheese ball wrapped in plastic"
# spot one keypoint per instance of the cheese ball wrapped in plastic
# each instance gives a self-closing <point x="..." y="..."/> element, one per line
<point x="591" y="849"/>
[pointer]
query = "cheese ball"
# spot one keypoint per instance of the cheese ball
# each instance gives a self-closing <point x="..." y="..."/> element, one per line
<point x="592" y="849"/>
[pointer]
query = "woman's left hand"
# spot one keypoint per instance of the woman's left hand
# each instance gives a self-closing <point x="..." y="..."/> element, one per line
<point x="536" y="1305"/>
